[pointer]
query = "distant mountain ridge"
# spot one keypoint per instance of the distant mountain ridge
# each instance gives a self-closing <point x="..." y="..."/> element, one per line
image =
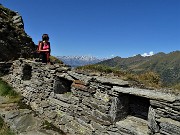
<point x="75" y="61"/>
<point x="166" y="65"/>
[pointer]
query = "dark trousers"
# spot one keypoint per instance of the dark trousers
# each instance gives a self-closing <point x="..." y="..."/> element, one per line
<point x="42" y="57"/>
<point x="45" y="57"/>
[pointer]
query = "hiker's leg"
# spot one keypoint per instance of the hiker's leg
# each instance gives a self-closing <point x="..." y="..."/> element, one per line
<point x="44" y="59"/>
<point x="47" y="56"/>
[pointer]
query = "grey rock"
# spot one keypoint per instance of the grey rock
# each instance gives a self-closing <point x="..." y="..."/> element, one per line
<point x="18" y="21"/>
<point x="68" y="98"/>
<point x="94" y="104"/>
<point x="119" y="108"/>
<point x="102" y="96"/>
<point x="168" y="106"/>
<point x="111" y="81"/>
<point x="169" y="126"/>
<point x="11" y="115"/>
<point x="84" y="78"/>
<point x="99" y="115"/>
<point x="152" y="94"/>
<point x="152" y="123"/>
<point x="113" y="133"/>
<point x="97" y="126"/>
<point x="133" y="125"/>
<point x="41" y="132"/>
<point x="44" y="104"/>
<point x="60" y="103"/>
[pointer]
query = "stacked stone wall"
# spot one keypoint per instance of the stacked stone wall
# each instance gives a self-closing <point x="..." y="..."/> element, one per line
<point x="93" y="105"/>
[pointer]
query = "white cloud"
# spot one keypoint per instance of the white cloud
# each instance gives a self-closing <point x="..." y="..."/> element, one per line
<point x="151" y="53"/>
<point x="147" y="54"/>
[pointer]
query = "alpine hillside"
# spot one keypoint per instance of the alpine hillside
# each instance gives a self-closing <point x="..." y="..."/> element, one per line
<point x="166" y="65"/>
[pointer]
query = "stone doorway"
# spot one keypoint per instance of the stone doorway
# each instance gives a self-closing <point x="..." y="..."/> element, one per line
<point x="27" y="72"/>
<point x="139" y="106"/>
<point x="62" y="85"/>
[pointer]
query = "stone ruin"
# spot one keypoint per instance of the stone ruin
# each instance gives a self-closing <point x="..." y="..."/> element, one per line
<point x="81" y="104"/>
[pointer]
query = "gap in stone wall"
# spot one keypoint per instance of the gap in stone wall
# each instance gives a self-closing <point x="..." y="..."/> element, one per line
<point x="62" y="85"/>
<point x="138" y="106"/>
<point x="134" y="111"/>
<point x="27" y="72"/>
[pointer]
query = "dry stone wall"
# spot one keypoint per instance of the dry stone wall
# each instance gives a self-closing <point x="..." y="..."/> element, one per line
<point x="93" y="105"/>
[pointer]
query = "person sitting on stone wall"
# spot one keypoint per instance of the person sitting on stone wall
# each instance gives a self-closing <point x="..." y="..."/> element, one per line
<point x="44" y="48"/>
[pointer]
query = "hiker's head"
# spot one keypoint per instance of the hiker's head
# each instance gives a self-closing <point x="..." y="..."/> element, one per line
<point x="45" y="37"/>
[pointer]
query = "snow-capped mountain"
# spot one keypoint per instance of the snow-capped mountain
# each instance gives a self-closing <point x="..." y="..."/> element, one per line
<point x="75" y="61"/>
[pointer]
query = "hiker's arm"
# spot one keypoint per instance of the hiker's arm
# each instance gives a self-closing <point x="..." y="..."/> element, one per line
<point x="40" y="46"/>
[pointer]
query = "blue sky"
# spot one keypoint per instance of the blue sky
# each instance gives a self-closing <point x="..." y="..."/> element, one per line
<point x="102" y="28"/>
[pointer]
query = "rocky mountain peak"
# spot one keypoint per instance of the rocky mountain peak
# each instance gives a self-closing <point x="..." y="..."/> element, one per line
<point x="14" y="42"/>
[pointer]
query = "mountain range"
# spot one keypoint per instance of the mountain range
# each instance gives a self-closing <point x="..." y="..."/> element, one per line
<point x="166" y="65"/>
<point x="75" y="61"/>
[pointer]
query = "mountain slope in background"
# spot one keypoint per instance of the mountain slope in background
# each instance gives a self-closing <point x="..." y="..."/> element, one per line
<point x="166" y="65"/>
<point x="14" y="42"/>
<point x="75" y="61"/>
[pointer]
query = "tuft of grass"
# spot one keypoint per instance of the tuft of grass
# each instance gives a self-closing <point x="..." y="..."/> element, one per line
<point x="7" y="90"/>
<point x="53" y="59"/>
